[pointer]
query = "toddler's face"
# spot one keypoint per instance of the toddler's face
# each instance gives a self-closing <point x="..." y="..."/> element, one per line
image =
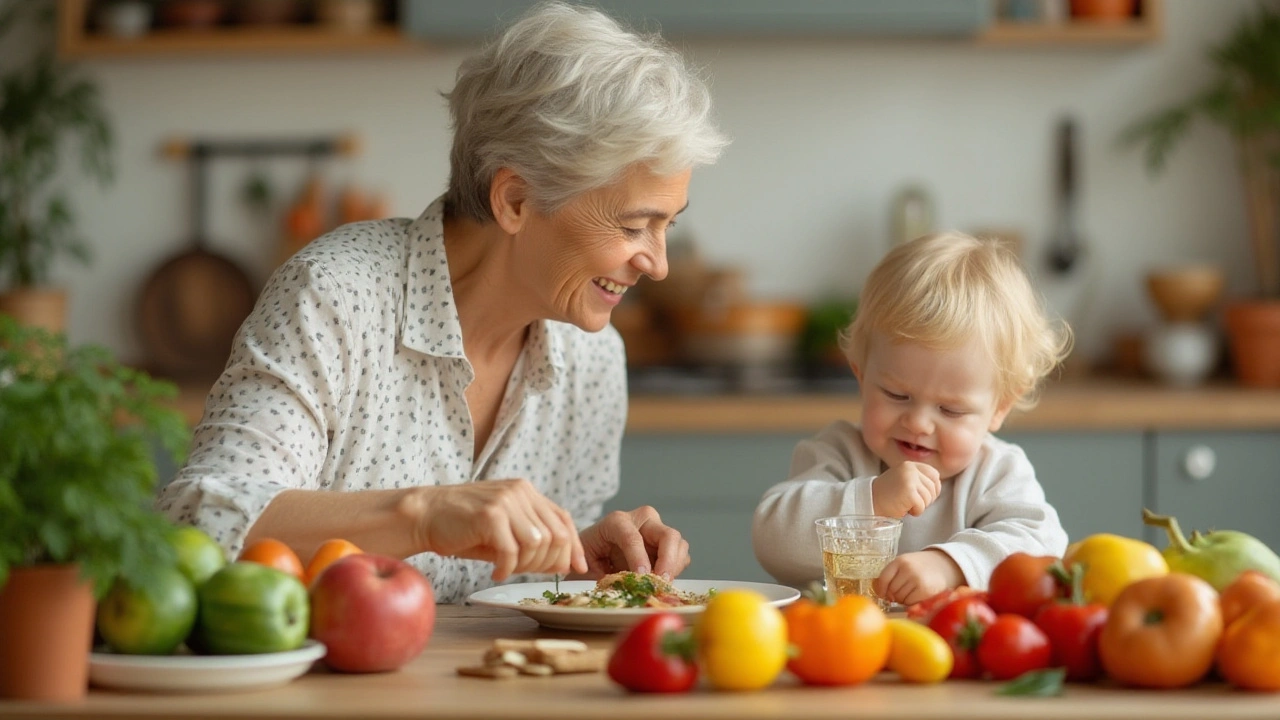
<point x="927" y="405"/>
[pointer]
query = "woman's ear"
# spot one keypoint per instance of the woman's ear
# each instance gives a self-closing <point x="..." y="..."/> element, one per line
<point x="508" y="199"/>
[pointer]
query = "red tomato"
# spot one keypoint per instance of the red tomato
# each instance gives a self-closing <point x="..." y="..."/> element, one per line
<point x="961" y="623"/>
<point x="655" y="655"/>
<point x="1073" y="631"/>
<point x="1011" y="646"/>
<point x="923" y="611"/>
<point x="1022" y="583"/>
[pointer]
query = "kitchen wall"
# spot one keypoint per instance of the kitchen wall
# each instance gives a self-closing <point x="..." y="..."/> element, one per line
<point x="825" y="131"/>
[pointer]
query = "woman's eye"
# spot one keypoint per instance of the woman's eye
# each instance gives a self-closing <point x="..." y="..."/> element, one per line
<point x="633" y="232"/>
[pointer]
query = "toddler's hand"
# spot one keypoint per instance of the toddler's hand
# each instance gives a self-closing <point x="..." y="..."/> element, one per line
<point x="916" y="576"/>
<point x="908" y="488"/>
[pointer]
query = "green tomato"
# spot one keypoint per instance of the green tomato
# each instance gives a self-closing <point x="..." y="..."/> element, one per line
<point x="247" y="608"/>
<point x="148" y="620"/>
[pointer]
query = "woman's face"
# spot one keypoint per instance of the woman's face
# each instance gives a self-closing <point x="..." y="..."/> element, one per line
<point x="585" y="256"/>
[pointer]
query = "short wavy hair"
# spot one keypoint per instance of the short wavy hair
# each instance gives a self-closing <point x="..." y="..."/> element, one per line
<point x="941" y="290"/>
<point x="569" y="99"/>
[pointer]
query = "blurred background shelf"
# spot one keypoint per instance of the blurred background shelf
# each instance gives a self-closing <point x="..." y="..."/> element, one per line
<point x="79" y="35"/>
<point x="414" y="25"/>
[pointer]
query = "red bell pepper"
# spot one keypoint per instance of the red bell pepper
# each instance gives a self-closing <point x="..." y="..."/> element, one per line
<point x="656" y="655"/>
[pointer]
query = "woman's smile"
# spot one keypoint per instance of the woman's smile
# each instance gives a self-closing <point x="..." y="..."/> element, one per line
<point x="611" y="291"/>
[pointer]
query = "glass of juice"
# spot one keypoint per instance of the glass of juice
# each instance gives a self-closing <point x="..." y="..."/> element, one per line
<point x="855" y="548"/>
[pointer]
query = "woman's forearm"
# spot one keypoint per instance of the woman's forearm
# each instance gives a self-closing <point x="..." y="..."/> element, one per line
<point x="376" y="521"/>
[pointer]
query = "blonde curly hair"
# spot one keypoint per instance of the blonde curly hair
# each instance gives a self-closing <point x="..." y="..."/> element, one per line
<point x="941" y="290"/>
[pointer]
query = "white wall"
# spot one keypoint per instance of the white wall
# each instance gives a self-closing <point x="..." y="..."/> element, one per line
<point x="824" y="133"/>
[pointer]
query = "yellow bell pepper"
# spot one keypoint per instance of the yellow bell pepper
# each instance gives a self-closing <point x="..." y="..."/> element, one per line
<point x="742" y="640"/>
<point x="1111" y="562"/>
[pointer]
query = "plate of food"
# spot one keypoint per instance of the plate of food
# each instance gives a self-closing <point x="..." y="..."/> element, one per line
<point x="201" y="673"/>
<point x="616" y="601"/>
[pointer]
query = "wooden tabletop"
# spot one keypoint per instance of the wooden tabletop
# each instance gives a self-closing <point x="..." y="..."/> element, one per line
<point x="430" y="688"/>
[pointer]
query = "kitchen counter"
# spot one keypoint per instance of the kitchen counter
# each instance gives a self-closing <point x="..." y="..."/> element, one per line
<point x="1086" y="404"/>
<point x="429" y="688"/>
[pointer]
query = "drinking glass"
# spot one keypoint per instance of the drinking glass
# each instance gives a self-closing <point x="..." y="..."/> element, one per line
<point x="855" y="548"/>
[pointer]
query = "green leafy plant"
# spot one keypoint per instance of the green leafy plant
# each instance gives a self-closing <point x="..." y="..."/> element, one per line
<point x="819" y="340"/>
<point x="1244" y="98"/>
<point x="43" y="104"/>
<point x="77" y="471"/>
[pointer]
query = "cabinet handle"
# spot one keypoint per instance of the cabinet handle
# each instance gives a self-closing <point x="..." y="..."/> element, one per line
<point x="1200" y="462"/>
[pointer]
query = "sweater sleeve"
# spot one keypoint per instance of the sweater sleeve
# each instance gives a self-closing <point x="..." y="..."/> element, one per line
<point x="1006" y="513"/>
<point x="827" y="478"/>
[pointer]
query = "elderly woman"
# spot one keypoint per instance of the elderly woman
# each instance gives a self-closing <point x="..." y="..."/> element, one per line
<point x="448" y="389"/>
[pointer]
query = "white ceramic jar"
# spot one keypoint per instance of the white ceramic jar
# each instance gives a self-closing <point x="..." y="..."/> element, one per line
<point x="1182" y="354"/>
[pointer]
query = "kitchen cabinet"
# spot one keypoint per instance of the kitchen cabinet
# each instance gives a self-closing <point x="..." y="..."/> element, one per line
<point x="1095" y="480"/>
<point x="402" y="31"/>
<point x="1219" y="481"/>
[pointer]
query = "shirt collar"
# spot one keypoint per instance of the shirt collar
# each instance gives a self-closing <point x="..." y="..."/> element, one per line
<point x="429" y="318"/>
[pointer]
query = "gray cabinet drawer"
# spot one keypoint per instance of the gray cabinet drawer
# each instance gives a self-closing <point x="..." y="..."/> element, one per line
<point x="1093" y="479"/>
<point x="1242" y="492"/>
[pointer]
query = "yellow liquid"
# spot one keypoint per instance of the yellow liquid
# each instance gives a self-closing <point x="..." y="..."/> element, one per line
<point x="848" y="574"/>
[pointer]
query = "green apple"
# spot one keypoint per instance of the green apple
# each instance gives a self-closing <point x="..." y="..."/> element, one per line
<point x="248" y="608"/>
<point x="148" y="620"/>
<point x="199" y="556"/>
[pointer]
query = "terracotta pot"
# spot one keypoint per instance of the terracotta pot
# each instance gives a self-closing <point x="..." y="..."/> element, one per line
<point x="46" y="629"/>
<point x="36" y="307"/>
<point x="1103" y="10"/>
<point x="1253" y="329"/>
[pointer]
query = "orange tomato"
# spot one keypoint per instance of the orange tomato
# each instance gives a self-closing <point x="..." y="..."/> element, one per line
<point x="1249" y="654"/>
<point x="326" y="554"/>
<point x="275" y="554"/>
<point x="843" y="643"/>
<point x="1250" y="588"/>
<point x="1162" y="632"/>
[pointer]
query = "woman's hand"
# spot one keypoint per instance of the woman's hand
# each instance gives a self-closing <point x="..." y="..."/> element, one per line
<point x="636" y="541"/>
<point x="908" y="488"/>
<point x="506" y="522"/>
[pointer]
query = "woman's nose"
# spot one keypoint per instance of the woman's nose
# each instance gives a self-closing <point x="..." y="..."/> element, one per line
<point x="652" y="260"/>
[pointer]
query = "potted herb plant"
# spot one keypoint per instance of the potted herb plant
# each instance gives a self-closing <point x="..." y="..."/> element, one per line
<point x="77" y="477"/>
<point x="44" y="104"/>
<point x="1244" y="98"/>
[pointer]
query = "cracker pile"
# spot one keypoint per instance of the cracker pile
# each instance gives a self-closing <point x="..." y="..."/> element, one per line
<point x="508" y="658"/>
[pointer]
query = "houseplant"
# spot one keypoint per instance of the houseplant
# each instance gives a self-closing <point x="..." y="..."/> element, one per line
<point x="1244" y="98"/>
<point x="44" y="104"/>
<point x="77" y="477"/>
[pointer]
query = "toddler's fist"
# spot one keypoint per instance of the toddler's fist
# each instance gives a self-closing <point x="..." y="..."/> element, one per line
<point x="908" y="488"/>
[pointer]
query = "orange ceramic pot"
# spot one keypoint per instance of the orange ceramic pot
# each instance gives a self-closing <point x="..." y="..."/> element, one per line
<point x="1253" y="330"/>
<point x="1103" y="10"/>
<point x="46" y="629"/>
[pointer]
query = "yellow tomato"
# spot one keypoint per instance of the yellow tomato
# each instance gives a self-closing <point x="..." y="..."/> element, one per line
<point x="742" y="640"/>
<point x="1112" y="562"/>
<point x="917" y="653"/>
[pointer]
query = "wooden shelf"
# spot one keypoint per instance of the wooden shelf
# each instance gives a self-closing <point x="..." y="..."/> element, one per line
<point x="76" y="41"/>
<point x="1147" y="28"/>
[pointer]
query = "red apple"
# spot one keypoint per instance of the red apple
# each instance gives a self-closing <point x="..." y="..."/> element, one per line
<point x="374" y="613"/>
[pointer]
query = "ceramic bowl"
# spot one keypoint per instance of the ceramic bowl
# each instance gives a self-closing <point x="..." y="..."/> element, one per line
<point x="1186" y="293"/>
<point x="1182" y="354"/>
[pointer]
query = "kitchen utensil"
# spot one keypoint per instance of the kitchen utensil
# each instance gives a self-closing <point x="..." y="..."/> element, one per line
<point x="1066" y="245"/>
<point x="193" y="304"/>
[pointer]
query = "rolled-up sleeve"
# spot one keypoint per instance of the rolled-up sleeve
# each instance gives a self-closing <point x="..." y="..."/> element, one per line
<point x="268" y="419"/>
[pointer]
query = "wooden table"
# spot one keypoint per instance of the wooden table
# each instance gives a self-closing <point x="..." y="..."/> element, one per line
<point x="429" y="688"/>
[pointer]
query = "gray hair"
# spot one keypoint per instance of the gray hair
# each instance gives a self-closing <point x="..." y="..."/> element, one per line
<point x="568" y="99"/>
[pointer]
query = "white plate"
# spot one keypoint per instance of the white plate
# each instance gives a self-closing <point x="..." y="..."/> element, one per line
<point x="611" y="619"/>
<point x="201" y="673"/>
